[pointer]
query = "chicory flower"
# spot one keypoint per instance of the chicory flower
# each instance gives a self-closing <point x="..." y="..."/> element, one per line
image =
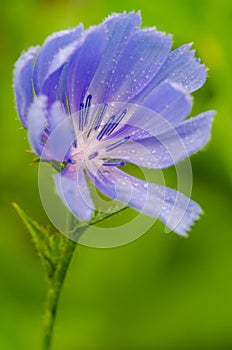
<point x="114" y="94"/>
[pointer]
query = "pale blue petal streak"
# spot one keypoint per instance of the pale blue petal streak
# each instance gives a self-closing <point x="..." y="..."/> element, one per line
<point x="51" y="48"/>
<point x="37" y="122"/>
<point x="61" y="134"/>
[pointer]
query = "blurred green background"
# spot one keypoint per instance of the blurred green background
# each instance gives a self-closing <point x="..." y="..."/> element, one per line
<point x="161" y="291"/>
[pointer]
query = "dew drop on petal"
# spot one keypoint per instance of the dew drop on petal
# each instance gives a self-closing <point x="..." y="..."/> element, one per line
<point x="123" y="183"/>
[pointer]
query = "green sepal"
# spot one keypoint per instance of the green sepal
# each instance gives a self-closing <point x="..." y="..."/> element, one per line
<point x="56" y="165"/>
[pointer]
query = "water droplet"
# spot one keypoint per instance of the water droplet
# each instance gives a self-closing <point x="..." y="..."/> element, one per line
<point x="123" y="183"/>
<point x="145" y="185"/>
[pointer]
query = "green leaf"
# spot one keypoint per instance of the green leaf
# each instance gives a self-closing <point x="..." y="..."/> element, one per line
<point x="47" y="240"/>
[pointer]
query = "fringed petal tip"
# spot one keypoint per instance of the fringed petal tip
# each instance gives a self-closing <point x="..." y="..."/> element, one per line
<point x="123" y="14"/>
<point x="25" y="56"/>
<point x="198" y="60"/>
<point x="193" y="51"/>
<point x="159" y="33"/>
<point x="185" y="225"/>
<point x="134" y="16"/>
<point x="63" y="33"/>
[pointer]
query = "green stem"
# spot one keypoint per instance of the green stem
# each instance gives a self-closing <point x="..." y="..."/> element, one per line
<point x="57" y="277"/>
<point x="54" y="290"/>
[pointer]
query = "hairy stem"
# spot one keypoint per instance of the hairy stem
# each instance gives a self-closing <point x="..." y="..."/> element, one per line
<point x="54" y="290"/>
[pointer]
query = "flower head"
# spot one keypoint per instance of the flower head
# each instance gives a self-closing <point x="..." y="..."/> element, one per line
<point x="111" y="95"/>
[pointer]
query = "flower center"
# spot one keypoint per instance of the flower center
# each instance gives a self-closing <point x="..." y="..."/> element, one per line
<point x="94" y="128"/>
<point x="80" y="151"/>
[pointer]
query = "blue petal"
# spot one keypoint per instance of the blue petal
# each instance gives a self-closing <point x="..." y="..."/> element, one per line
<point x="54" y="53"/>
<point x="141" y="59"/>
<point x="83" y="65"/>
<point x="61" y="134"/>
<point x="119" y="29"/>
<point x="168" y="148"/>
<point x="181" y="67"/>
<point x="173" y="208"/>
<point x="176" y="144"/>
<point x="169" y="100"/>
<point x="166" y="105"/>
<point x="73" y="190"/>
<point x="51" y="133"/>
<point x="23" y="82"/>
<point x="131" y="152"/>
<point x="55" y="81"/>
<point x="37" y="121"/>
<point x="57" y="115"/>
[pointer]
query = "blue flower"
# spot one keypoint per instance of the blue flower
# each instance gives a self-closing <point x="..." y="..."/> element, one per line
<point x="111" y="95"/>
